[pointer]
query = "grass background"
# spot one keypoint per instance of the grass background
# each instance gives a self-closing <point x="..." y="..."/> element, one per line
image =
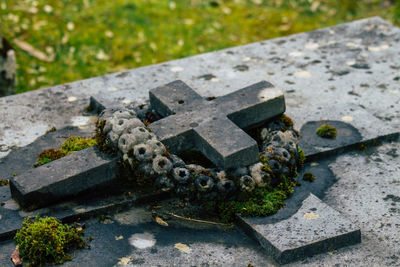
<point x="59" y="41"/>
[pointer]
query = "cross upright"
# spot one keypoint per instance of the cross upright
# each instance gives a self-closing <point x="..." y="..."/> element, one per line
<point x="214" y="127"/>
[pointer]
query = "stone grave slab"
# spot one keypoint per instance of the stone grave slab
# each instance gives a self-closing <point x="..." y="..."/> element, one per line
<point x="303" y="239"/>
<point x="322" y="79"/>
<point x="313" y="229"/>
<point x="83" y="170"/>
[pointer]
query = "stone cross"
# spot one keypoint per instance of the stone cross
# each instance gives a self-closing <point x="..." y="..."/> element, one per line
<point x="214" y="127"/>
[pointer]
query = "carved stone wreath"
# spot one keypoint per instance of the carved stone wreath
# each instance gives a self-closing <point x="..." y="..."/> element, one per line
<point x="124" y="131"/>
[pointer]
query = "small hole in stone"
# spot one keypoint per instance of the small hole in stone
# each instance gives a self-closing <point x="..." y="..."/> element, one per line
<point x="227" y="185"/>
<point x="142" y="150"/>
<point x="120" y="122"/>
<point x="181" y="101"/>
<point x="203" y="182"/>
<point x="182" y="173"/>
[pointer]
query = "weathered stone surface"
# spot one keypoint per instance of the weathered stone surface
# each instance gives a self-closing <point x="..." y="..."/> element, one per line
<point x="316" y="70"/>
<point x="7" y="68"/>
<point x="68" y="176"/>
<point x="315" y="228"/>
<point x="214" y="127"/>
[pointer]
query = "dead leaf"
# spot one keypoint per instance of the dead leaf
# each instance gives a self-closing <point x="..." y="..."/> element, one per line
<point x="33" y="51"/>
<point x="161" y="221"/>
<point x="311" y="216"/>
<point x="182" y="247"/>
<point x="124" y="261"/>
<point x="15" y="258"/>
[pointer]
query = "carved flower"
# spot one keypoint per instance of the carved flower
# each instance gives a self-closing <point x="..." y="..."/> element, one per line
<point x="161" y="165"/>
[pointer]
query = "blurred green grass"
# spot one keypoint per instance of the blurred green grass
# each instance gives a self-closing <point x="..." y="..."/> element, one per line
<point x="76" y="39"/>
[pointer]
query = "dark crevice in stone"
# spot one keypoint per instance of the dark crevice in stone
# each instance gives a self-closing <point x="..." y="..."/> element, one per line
<point x="207" y="77"/>
<point x="241" y="68"/>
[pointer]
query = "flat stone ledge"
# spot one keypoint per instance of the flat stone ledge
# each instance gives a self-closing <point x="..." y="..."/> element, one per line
<point x="71" y="175"/>
<point x="313" y="229"/>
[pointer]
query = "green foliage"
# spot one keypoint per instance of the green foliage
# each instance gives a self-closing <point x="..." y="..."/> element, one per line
<point x="87" y="38"/>
<point x="308" y="176"/>
<point x="46" y="240"/>
<point x="76" y="143"/>
<point x="327" y="131"/>
<point x="302" y="157"/>
<point x="70" y="145"/>
<point x="257" y="203"/>
<point x="49" y="155"/>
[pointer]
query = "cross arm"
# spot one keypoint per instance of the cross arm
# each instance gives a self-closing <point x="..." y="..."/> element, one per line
<point x="173" y="98"/>
<point x="225" y="144"/>
<point x="174" y="132"/>
<point x="251" y="105"/>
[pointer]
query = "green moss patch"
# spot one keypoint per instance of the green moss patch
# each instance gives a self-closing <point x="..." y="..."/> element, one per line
<point x="327" y="131"/>
<point x="48" y="155"/>
<point x="47" y="241"/>
<point x="257" y="203"/>
<point x="76" y="143"/>
<point x="308" y="176"/>
<point x="70" y="145"/>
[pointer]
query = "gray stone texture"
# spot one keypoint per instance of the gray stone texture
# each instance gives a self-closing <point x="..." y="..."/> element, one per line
<point x="313" y="229"/>
<point x="214" y="127"/>
<point x="7" y="68"/>
<point x="322" y="79"/>
<point x="83" y="170"/>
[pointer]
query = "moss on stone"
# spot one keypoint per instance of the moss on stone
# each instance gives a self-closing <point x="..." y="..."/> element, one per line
<point x="327" y="131"/>
<point x="286" y="120"/>
<point x="52" y="129"/>
<point x="70" y="145"/>
<point x="76" y="143"/>
<point x="308" y="176"/>
<point x="257" y="203"/>
<point x="302" y="158"/>
<point x="260" y="202"/>
<point x="101" y="139"/>
<point x="47" y="241"/>
<point x="49" y="155"/>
